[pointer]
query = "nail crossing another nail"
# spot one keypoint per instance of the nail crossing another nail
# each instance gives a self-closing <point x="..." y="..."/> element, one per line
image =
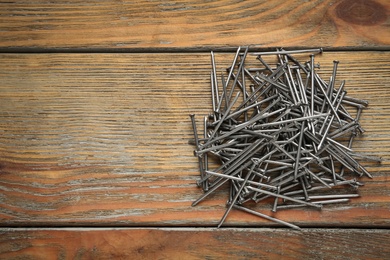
<point x="285" y="139"/>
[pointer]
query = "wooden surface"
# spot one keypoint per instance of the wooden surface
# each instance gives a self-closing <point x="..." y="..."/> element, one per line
<point x="94" y="128"/>
<point x="102" y="139"/>
<point x="108" y="24"/>
<point x="194" y="243"/>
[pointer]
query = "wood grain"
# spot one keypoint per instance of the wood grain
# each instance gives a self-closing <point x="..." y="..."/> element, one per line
<point x="190" y="243"/>
<point x="101" y="139"/>
<point x="146" y="25"/>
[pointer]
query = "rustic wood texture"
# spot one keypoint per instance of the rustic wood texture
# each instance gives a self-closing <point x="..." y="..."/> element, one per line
<point x="184" y="24"/>
<point x="98" y="136"/>
<point x="101" y="139"/>
<point x="190" y="243"/>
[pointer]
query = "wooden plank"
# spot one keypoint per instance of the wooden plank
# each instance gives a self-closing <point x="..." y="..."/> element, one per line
<point x="190" y="243"/>
<point x="101" y="139"/>
<point x="133" y="25"/>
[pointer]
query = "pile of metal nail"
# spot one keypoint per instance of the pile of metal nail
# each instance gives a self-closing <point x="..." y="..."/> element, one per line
<point x="281" y="133"/>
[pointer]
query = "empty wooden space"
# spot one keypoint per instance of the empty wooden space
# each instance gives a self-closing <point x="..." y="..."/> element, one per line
<point x="188" y="24"/>
<point x="94" y="128"/>
<point x="193" y="243"/>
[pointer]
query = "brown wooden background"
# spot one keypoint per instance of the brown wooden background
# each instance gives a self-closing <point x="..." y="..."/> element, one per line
<point x="94" y="128"/>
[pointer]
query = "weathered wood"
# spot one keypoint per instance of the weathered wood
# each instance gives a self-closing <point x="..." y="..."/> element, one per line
<point x="101" y="139"/>
<point x="191" y="243"/>
<point x="114" y="25"/>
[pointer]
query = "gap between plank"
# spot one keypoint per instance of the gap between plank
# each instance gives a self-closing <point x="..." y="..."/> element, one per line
<point x="39" y="50"/>
<point x="204" y="227"/>
<point x="257" y="229"/>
